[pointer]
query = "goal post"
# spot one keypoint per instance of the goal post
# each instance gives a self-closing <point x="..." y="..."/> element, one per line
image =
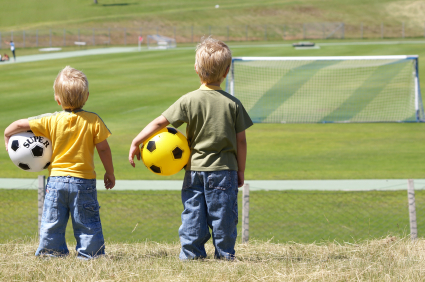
<point x="336" y="89"/>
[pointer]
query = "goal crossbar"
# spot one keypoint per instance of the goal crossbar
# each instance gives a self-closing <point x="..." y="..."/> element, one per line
<point x="327" y="58"/>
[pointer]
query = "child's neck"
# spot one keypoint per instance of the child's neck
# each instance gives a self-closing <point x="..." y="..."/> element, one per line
<point x="212" y="83"/>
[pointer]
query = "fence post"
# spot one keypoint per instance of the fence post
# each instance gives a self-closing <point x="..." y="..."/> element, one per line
<point x="382" y="30"/>
<point x="412" y="209"/>
<point x="303" y="30"/>
<point x="175" y="35"/>
<point x="50" y="38"/>
<point x="125" y="36"/>
<point x="209" y="30"/>
<point x="36" y="38"/>
<point x="109" y="35"/>
<point x="94" y="42"/>
<point x="265" y="32"/>
<point x="284" y="32"/>
<point x="23" y="38"/>
<point x="79" y="35"/>
<point x="227" y="33"/>
<point x="245" y="213"/>
<point x="402" y="30"/>
<point x="361" y="30"/>
<point x="64" y="37"/>
<point x="11" y="35"/>
<point x="41" y="194"/>
<point x="0" y="40"/>
<point x="246" y="33"/>
<point x="192" y="33"/>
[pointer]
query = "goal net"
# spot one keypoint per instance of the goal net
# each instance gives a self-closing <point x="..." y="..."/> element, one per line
<point x="328" y="89"/>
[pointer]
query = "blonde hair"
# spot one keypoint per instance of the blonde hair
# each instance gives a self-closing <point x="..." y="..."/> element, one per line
<point x="213" y="57"/>
<point x="72" y="88"/>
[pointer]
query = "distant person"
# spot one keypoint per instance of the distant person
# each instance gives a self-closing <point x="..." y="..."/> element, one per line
<point x="3" y="58"/>
<point x="216" y="124"/>
<point x="12" y="48"/>
<point x="71" y="186"/>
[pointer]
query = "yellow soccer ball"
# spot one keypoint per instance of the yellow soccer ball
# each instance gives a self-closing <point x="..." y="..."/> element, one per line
<point x="166" y="152"/>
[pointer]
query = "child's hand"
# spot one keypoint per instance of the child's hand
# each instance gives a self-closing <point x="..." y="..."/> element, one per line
<point x="134" y="151"/>
<point x="241" y="178"/>
<point x="109" y="180"/>
<point x="6" y="141"/>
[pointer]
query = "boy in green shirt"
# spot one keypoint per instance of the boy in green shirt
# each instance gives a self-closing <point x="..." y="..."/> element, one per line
<point x="216" y="124"/>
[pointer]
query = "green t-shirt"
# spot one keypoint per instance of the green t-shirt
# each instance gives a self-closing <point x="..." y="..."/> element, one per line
<point x="213" y="118"/>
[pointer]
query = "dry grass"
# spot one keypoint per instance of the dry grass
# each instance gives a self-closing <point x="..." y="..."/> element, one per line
<point x="412" y="12"/>
<point x="388" y="259"/>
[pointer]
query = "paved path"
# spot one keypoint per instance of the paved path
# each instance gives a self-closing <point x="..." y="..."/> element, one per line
<point x="115" y="50"/>
<point x="69" y="54"/>
<point x="324" y="185"/>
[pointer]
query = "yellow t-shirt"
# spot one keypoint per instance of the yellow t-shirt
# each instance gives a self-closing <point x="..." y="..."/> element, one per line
<point x="74" y="136"/>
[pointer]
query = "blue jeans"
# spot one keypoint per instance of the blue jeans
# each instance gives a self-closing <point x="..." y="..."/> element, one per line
<point x="210" y="200"/>
<point x="76" y="196"/>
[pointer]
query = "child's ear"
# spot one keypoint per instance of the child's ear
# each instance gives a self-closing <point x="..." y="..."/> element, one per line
<point x="227" y="72"/>
<point x="57" y="100"/>
<point x="196" y="67"/>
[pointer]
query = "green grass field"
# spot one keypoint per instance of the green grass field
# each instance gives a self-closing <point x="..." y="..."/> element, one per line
<point x="129" y="90"/>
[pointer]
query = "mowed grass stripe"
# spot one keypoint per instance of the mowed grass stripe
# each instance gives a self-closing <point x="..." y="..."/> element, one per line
<point x="365" y="94"/>
<point x="285" y="88"/>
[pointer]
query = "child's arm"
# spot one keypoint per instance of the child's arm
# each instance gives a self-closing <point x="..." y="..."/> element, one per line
<point x="154" y="126"/>
<point x="106" y="157"/>
<point x="241" y="156"/>
<point x="21" y="125"/>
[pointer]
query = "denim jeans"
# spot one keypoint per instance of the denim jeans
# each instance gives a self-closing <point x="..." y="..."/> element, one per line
<point x="76" y="196"/>
<point x="210" y="200"/>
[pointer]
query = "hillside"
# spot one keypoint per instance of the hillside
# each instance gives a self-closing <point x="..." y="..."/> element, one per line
<point x="28" y="14"/>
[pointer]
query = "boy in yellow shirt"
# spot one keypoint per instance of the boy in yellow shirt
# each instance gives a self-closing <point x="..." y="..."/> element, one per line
<point x="71" y="186"/>
<point x="216" y="124"/>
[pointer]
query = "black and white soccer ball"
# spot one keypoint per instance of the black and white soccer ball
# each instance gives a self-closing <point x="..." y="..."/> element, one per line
<point x="30" y="152"/>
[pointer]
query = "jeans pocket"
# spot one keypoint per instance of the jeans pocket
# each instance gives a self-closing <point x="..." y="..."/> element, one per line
<point x="88" y="206"/>
<point x="89" y="213"/>
<point x="50" y="207"/>
<point x="221" y="180"/>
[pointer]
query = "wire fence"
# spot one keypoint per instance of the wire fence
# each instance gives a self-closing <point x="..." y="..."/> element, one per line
<point x="303" y="216"/>
<point x="57" y="37"/>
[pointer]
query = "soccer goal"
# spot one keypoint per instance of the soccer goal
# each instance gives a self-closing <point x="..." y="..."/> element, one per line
<point x="328" y="89"/>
